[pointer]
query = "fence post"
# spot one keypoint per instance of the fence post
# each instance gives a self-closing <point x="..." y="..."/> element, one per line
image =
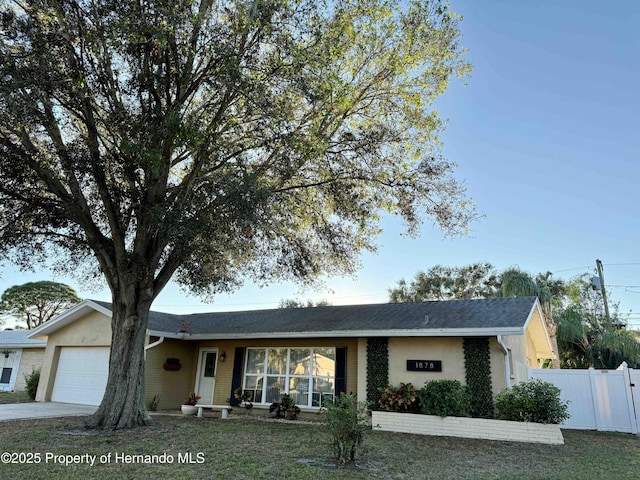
<point x="595" y="400"/>
<point x="626" y="375"/>
<point x="635" y="397"/>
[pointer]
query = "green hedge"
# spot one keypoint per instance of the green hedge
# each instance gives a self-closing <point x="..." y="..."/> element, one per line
<point x="477" y="363"/>
<point x="377" y="368"/>
<point x="532" y="401"/>
<point x="446" y="398"/>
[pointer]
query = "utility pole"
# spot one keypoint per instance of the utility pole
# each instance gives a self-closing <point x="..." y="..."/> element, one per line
<point x="602" y="289"/>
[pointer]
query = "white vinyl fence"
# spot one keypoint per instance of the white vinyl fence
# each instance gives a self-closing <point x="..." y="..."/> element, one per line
<point x="606" y="400"/>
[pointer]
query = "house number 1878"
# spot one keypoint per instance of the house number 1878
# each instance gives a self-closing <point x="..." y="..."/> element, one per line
<point x="424" y="365"/>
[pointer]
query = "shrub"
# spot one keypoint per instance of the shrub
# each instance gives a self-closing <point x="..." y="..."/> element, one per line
<point x="477" y="364"/>
<point x="31" y="383"/>
<point x="445" y="398"/>
<point x="153" y="403"/>
<point x="288" y="407"/>
<point x="347" y="421"/>
<point x="377" y="368"/>
<point x="403" y="398"/>
<point x="532" y="401"/>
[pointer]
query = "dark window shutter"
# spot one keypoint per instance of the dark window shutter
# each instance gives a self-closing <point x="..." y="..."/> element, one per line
<point x="236" y="380"/>
<point x="341" y="370"/>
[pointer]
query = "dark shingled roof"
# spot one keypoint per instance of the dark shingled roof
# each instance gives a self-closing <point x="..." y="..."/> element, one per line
<point x="489" y="314"/>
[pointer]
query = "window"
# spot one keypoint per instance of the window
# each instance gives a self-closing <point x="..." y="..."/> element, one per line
<point x="307" y="374"/>
<point x="5" y="376"/>
<point x="209" y="364"/>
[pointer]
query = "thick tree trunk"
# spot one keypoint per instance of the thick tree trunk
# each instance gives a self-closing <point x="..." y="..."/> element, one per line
<point x="123" y="405"/>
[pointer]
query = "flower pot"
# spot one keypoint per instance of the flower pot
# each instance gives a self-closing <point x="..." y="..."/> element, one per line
<point x="172" y="367"/>
<point x="189" y="409"/>
<point x="290" y="414"/>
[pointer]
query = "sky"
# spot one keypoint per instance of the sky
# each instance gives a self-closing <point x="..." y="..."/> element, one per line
<point x="545" y="135"/>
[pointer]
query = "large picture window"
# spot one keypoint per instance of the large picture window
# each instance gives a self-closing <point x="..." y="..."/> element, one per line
<point x="307" y="374"/>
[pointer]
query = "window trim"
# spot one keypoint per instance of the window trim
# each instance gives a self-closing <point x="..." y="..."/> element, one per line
<point x="263" y="376"/>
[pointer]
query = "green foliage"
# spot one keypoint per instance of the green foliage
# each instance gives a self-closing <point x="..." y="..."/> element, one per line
<point x="293" y="303"/>
<point x="347" y="421"/>
<point x="37" y="302"/>
<point x="244" y="397"/>
<point x="478" y="280"/>
<point x="573" y="311"/>
<point x="377" y="368"/>
<point x="31" y="383"/>
<point x="586" y="338"/>
<point x="192" y="399"/>
<point x="477" y="363"/>
<point x="445" y="398"/>
<point x="403" y="398"/>
<point x="208" y="143"/>
<point x="532" y="401"/>
<point x="288" y="407"/>
<point x="243" y="139"/>
<point x="153" y="403"/>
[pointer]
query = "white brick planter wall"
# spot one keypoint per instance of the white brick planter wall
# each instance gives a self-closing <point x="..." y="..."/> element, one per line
<point x="467" y="427"/>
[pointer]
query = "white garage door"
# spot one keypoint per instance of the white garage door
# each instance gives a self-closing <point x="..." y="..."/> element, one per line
<point x="82" y="375"/>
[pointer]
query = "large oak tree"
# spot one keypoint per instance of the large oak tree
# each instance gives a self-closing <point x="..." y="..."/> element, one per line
<point x="214" y="141"/>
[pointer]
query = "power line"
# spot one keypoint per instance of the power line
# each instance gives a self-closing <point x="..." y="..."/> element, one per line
<point x="573" y="269"/>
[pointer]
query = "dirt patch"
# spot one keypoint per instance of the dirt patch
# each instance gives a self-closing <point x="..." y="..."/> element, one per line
<point x="330" y="464"/>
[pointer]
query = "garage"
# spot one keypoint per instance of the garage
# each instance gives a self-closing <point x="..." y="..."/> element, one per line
<point x="81" y="376"/>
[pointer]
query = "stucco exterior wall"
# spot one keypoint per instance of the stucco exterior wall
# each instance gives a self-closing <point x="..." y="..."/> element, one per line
<point x="94" y="330"/>
<point x="498" y="366"/>
<point x="517" y="344"/>
<point x="447" y="349"/>
<point x="31" y="360"/>
<point x="171" y="386"/>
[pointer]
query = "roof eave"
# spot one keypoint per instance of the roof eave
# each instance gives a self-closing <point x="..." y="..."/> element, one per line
<point x="442" y="332"/>
<point x="22" y="345"/>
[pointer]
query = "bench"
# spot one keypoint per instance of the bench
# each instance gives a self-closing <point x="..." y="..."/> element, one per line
<point x="225" y="409"/>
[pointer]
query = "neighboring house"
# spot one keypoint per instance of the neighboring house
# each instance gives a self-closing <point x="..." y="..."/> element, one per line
<point x="19" y="356"/>
<point x="307" y="352"/>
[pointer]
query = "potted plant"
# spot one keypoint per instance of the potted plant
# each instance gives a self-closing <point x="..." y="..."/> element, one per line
<point x="172" y="364"/>
<point x="244" y="397"/>
<point x="289" y="407"/>
<point x="189" y="405"/>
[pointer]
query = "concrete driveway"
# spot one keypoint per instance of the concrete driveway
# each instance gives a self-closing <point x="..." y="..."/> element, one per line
<point x="21" y="411"/>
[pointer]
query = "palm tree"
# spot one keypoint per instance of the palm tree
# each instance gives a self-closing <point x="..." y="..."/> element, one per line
<point x="588" y="338"/>
<point x="518" y="283"/>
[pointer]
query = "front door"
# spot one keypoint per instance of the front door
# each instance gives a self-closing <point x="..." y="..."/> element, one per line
<point x="7" y="366"/>
<point x="206" y="380"/>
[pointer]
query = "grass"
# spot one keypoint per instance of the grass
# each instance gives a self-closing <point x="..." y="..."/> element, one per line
<point x="14" y="397"/>
<point x="251" y="448"/>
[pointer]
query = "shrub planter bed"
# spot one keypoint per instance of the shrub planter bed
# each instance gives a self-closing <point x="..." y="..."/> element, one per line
<point x="467" y="427"/>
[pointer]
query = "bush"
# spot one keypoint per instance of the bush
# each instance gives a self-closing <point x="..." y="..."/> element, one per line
<point x="403" y="398"/>
<point x="31" y="383"/>
<point x="477" y="363"/>
<point x="532" y="401"/>
<point x="445" y="398"/>
<point x="347" y="420"/>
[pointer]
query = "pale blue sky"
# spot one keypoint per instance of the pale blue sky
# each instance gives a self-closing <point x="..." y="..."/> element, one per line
<point x="545" y="136"/>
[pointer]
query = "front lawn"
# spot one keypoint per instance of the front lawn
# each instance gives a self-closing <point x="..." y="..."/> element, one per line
<point x="14" y="397"/>
<point x="250" y="448"/>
